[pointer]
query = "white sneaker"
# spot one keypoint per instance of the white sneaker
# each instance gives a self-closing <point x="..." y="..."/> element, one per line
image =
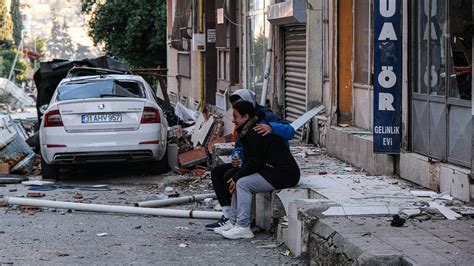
<point x="227" y="226"/>
<point x="238" y="232"/>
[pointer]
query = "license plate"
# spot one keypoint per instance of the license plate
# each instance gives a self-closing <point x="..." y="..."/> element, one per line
<point x="101" y="118"/>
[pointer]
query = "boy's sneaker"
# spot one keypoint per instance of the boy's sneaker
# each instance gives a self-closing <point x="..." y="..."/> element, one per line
<point x="238" y="232"/>
<point x="227" y="226"/>
<point x="219" y="223"/>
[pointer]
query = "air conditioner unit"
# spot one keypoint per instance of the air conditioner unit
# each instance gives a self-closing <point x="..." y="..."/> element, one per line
<point x="199" y="42"/>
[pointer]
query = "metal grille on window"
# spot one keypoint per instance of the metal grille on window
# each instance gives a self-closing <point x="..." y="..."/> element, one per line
<point x="295" y="72"/>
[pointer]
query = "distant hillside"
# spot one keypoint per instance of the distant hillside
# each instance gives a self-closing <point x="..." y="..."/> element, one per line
<point x="63" y="27"/>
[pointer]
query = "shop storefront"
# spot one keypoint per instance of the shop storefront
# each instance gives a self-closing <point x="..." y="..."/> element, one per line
<point x="440" y="67"/>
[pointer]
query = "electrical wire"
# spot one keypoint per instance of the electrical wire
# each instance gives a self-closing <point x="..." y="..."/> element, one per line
<point x="227" y="18"/>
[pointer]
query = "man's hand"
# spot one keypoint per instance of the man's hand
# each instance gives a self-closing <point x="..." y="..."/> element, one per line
<point x="231" y="186"/>
<point x="236" y="162"/>
<point x="263" y="129"/>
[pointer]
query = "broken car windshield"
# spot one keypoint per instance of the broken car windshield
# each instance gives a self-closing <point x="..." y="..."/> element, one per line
<point x="99" y="89"/>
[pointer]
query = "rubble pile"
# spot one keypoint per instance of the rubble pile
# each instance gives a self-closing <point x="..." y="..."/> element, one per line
<point x="202" y="144"/>
<point x="16" y="156"/>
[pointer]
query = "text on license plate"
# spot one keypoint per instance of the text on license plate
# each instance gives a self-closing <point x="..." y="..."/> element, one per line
<point x="101" y="118"/>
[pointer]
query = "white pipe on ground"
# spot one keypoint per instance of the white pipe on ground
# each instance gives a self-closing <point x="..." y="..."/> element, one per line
<point x="110" y="208"/>
<point x="167" y="202"/>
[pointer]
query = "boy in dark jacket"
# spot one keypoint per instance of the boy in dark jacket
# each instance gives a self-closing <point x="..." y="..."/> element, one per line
<point x="269" y="123"/>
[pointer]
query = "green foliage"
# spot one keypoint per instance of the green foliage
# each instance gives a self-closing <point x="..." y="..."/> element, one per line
<point x="41" y="46"/>
<point x="132" y="31"/>
<point x="17" y="23"/>
<point x="21" y="68"/>
<point x="6" y="23"/>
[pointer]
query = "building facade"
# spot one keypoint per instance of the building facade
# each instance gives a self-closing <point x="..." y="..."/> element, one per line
<point x="321" y="51"/>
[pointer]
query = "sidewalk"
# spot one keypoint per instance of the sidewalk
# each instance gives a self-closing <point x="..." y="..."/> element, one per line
<point x="339" y="214"/>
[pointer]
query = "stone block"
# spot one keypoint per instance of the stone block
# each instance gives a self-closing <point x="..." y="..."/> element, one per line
<point x="263" y="213"/>
<point x="282" y="233"/>
<point x="455" y="180"/>
<point x="302" y="215"/>
<point x="355" y="146"/>
<point x="417" y="169"/>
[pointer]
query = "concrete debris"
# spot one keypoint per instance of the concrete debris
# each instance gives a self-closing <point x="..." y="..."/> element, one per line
<point x="423" y="193"/>
<point x="182" y="228"/>
<point x="182" y="245"/>
<point x="35" y="195"/>
<point x="37" y="183"/>
<point x="14" y="150"/>
<point x="268" y="246"/>
<point x="466" y="210"/>
<point x="448" y="213"/>
<point x="410" y="213"/>
<point x="208" y="201"/>
<point x="185" y="114"/>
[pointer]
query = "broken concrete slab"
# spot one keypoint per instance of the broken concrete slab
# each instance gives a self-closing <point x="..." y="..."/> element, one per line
<point x="423" y="193"/>
<point x="202" y="130"/>
<point x="448" y="213"/>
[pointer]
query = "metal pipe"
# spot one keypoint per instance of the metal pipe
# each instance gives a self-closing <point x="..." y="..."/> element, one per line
<point x="268" y="60"/>
<point x="110" y="208"/>
<point x="167" y="202"/>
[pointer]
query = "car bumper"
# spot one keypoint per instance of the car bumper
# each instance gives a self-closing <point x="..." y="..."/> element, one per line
<point x="59" y="147"/>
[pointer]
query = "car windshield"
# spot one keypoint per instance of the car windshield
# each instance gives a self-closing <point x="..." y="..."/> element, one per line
<point x="86" y="89"/>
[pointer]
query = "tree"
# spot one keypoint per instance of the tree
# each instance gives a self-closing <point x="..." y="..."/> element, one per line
<point x="40" y="46"/>
<point x="6" y="23"/>
<point x="21" y="67"/>
<point x="132" y="31"/>
<point x="60" y="44"/>
<point x="67" y="51"/>
<point x="17" y="23"/>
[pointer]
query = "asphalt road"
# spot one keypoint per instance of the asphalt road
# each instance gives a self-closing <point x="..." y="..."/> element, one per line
<point x="54" y="236"/>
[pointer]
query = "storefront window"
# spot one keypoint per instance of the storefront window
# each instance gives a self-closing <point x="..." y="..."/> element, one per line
<point x="431" y="36"/>
<point x="460" y="42"/>
<point x="257" y="39"/>
<point x="444" y="49"/>
<point x="362" y="39"/>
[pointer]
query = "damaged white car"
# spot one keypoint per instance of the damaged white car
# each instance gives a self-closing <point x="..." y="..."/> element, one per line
<point x="102" y="118"/>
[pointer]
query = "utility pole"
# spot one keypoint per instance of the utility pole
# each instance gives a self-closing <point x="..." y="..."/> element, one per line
<point x="20" y="48"/>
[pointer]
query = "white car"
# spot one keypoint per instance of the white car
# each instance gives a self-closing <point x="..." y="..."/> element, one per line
<point x="104" y="118"/>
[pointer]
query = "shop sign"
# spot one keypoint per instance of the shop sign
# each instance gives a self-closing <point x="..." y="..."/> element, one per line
<point x="387" y="76"/>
